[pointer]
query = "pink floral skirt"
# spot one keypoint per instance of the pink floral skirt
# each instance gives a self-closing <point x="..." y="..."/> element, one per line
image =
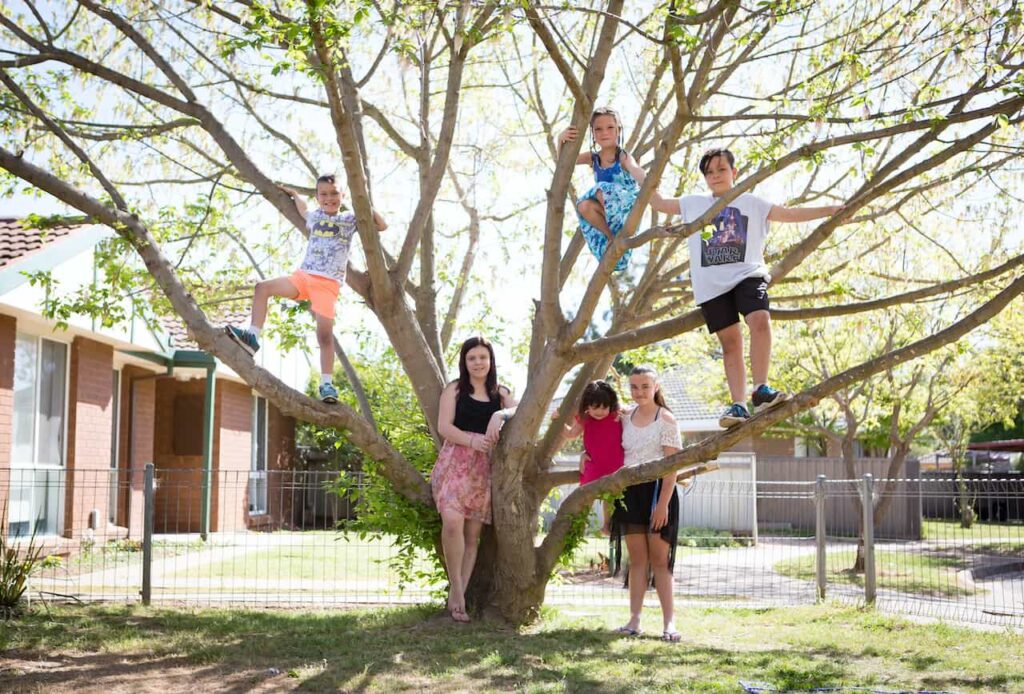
<point x="461" y="482"/>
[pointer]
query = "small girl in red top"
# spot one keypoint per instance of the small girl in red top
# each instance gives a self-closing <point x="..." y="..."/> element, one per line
<point x="598" y="421"/>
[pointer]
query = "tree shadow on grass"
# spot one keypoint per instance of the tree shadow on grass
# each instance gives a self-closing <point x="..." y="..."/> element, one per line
<point x="103" y="649"/>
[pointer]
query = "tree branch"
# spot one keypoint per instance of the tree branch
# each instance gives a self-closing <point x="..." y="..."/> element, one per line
<point x="581" y="498"/>
<point x="406" y="479"/>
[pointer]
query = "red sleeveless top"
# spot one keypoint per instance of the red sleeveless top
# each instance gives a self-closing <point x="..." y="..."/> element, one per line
<point x="602" y="440"/>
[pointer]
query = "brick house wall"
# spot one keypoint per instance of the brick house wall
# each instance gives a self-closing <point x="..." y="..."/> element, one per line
<point x="767" y="446"/>
<point x="760" y="445"/>
<point x="179" y="477"/>
<point x="280" y="457"/>
<point x="232" y="456"/>
<point x="147" y="433"/>
<point x="135" y="445"/>
<point x="90" y="418"/>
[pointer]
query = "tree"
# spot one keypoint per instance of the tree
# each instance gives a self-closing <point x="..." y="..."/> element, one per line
<point x="871" y="104"/>
<point x="991" y="402"/>
<point x="892" y="411"/>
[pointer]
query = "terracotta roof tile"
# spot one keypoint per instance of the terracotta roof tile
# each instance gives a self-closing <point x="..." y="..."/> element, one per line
<point x="18" y="240"/>
<point x="181" y="336"/>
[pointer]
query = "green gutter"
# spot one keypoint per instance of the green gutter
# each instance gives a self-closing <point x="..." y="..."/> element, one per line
<point x="155" y="357"/>
<point x="194" y="359"/>
<point x="208" y="414"/>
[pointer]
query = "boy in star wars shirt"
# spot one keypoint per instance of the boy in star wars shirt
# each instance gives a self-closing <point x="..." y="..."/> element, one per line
<point x="319" y="278"/>
<point x="730" y="278"/>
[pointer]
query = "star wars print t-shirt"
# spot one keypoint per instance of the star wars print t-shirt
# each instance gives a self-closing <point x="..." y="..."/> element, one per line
<point x="734" y="248"/>
<point x="330" y="239"/>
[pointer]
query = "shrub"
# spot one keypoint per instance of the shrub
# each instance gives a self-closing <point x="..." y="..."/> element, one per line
<point x="708" y="537"/>
<point x="16" y="565"/>
<point x="380" y="511"/>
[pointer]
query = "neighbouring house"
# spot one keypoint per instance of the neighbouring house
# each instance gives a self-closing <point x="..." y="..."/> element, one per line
<point x="84" y="408"/>
<point x="698" y="418"/>
<point x="770" y="463"/>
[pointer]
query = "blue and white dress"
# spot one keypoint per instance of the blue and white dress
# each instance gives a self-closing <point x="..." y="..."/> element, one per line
<point x="620" y="191"/>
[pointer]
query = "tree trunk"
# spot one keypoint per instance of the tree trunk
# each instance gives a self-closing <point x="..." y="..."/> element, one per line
<point x="858" y="562"/>
<point x="965" y="502"/>
<point x="505" y="581"/>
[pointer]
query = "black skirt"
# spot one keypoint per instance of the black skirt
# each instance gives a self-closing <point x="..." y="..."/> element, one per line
<point x="632" y="516"/>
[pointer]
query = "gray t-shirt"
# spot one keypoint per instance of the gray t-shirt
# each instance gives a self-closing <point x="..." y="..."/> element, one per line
<point x="735" y="249"/>
<point x="330" y="239"/>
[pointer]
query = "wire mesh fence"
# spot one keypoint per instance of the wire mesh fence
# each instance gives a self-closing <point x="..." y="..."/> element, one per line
<point x="287" y="538"/>
<point x="959" y="568"/>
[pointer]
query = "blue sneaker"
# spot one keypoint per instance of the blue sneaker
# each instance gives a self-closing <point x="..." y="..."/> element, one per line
<point x="766" y="397"/>
<point x="736" y="414"/>
<point x="328" y="393"/>
<point x="245" y="339"/>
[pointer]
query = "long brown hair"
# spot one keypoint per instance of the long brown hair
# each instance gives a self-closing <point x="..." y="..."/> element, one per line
<point x="648" y="370"/>
<point x="491" y="382"/>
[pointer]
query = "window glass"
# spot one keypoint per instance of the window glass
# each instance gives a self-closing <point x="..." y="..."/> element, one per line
<point x="26" y="358"/>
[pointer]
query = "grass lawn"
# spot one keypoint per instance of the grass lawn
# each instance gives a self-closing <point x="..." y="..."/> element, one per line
<point x="950" y="530"/>
<point x="593" y="552"/>
<point x="114" y="555"/>
<point x="334" y="556"/>
<point x="926" y="574"/>
<point x="122" y="649"/>
<point x="325" y="556"/>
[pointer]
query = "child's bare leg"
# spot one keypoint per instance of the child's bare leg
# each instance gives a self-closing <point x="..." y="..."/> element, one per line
<point x="279" y="286"/>
<point x="663" y="582"/>
<point x="471" y="534"/>
<point x="606" y="525"/>
<point x="325" y="338"/>
<point x="453" y="543"/>
<point x="592" y="210"/>
<point x="636" y="545"/>
<point x="760" y="325"/>
<point x="732" y="358"/>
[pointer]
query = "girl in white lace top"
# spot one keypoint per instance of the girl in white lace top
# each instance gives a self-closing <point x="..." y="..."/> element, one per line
<point x="647" y="516"/>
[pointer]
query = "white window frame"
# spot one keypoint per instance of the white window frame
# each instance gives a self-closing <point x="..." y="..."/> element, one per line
<point x="115" y="447"/>
<point x="258" y="507"/>
<point x="34" y="465"/>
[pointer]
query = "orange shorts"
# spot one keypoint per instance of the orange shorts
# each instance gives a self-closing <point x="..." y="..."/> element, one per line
<point x="322" y="292"/>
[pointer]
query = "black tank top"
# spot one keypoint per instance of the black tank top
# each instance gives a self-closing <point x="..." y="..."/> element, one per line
<point x="474" y="415"/>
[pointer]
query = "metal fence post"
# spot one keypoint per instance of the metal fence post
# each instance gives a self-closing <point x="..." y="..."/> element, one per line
<point x="819" y="535"/>
<point x="147" y="535"/>
<point x="869" y="540"/>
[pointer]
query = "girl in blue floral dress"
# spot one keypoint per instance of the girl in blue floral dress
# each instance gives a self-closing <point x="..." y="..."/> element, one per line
<point x="604" y="208"/>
